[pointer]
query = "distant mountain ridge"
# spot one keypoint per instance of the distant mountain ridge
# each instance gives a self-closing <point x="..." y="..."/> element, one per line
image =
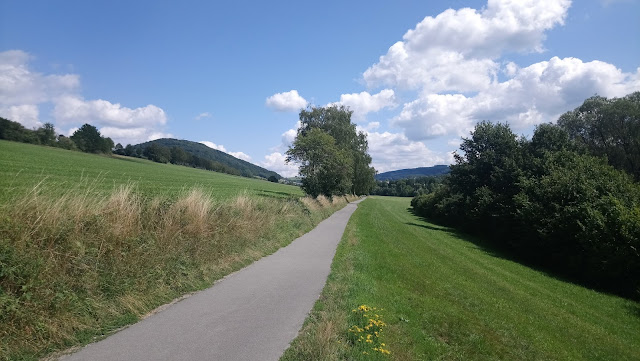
<point x="200" y="150"/>
<point x="413" y="172"/>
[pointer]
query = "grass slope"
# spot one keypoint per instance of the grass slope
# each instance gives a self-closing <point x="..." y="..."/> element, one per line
<point x="22" y="166"/>
<point x="102" y="241"/>
<point x="445" y="297"/>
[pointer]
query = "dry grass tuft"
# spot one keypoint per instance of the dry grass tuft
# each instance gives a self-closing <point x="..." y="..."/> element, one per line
<point x="324" y="201"/>
<point x="77" y="261"/>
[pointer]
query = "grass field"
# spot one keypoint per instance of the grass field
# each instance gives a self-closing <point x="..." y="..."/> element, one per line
<point x="443" y="296"/>
<point x="102" y="241"/>
<point x="22" y="166"/>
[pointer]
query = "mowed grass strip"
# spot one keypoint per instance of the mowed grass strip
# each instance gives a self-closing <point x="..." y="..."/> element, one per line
<point x="22" y="166"/>
<point x="445" y="297"/>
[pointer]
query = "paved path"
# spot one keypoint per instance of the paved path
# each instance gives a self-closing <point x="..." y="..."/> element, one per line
<point x="252" y="314"/>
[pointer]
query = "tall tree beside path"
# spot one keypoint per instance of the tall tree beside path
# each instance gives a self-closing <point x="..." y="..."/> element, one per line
<point x="331" y="153"/>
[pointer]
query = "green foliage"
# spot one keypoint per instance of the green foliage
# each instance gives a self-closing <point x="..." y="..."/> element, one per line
<point x="157" y="153"/>
<point x="608" y="127"/>
<point x="326" y="168"/>
<point x="445" y="295"/>
<point x="436" y="170"/>
<point x="546" y="201"/>
<point x="88" y="139"/>
<point x="407" y="187"/>
<point x="332" y="154"/>
<point x="185" y="152"/>
<point x="45" y="135"/>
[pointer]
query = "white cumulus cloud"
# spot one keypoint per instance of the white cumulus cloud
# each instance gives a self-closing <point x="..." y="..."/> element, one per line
<point x="103" y="112"/>
<point x="455" y="51"/>
<point x="286" y="102"/>
<point x="535" y="94"/>
<point x="276" y="162"/>
<point x="203" y="115"/>
<point x="363" y="103"/>
<point x="23" y="91"/>
<point x="220" y="147"/>
<point x="392" y="151"/>
<point x="26" y="114"/>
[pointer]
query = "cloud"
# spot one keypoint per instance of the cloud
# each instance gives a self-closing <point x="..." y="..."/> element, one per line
<point x="23" y="91"/>
<point x="26" y="114"/>
<point x="132" y="135"/>
<point x="203" y="115"/>
<point x="241" y="155"/>
<point x="21" y="86"/>
<point x="286" y="102"/>
<point x="538" y="93"/>
<point x="213" y="145"/>
<point x="276" y="162"/>
<point x="103" y="112"/>
<point x="289" y="136"/>
<point x="363" y="103"/>
<point x="220" y="147"/>
<point x="392" y="151"/>
<point x="455" y="51"/>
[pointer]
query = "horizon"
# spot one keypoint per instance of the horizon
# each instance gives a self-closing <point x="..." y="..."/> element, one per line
<point x="418" y="76"/>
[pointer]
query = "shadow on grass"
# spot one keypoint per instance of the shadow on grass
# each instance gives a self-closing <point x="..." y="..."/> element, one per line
<point x="498" y="251"/>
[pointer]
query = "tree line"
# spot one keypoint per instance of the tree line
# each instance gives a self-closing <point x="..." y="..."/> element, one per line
<point x="567" y="199"/>
<point x="174" y="155"/>
<point x="86" y="139"/>
<point x="331" y="153"/>
<point x="409" y="187"/>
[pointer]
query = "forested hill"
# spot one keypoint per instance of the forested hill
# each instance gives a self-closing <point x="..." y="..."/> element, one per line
<point x="199" y="150"/>
<point x="413" y="172"/>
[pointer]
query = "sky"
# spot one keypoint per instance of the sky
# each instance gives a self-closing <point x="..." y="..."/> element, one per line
<point x="418" y="75"/>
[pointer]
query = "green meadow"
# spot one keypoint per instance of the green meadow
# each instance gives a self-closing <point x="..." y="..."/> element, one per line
<point x="91" y="243"/>
<point x="23" y="166"/>
<point x="442" y="295"/>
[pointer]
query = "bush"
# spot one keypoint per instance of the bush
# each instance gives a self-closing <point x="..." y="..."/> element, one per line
<point x="547" y="202"/>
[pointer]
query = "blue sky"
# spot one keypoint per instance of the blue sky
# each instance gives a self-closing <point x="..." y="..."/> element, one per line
<point x="417" y="74"/>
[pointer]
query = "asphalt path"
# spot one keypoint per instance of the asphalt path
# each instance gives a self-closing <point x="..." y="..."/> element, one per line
<point x="252" y="314"/>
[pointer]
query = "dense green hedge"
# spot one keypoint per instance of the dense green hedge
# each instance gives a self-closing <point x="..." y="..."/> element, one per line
<point x="548" y="200"/>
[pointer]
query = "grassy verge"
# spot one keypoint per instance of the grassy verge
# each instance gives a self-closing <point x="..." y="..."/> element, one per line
<point x="76" y="265"/>
<point x="442" y="296"/>
<point x="23" y="166"/>
<point x="90" y="243"/>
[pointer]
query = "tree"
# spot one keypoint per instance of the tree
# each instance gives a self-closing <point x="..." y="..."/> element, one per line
<point x="157" y="153"/>
<point x="332" y="154"/>
<point x="129" y="151"/>
<point x="46" y="134"/>
<point x="608" y="127"/>
<point x="119" y="149"/>
<point x="324" y="167"/>
<point x="179" y="156"/>
<point x="88" y="139"/>
<point x="66" y="143"/>
<point x="273" y="179"/>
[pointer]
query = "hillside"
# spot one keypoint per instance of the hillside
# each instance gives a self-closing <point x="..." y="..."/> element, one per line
<point x="22" y="166"/>
<point x="245" y="168"/>
<point x="413" y="172"/>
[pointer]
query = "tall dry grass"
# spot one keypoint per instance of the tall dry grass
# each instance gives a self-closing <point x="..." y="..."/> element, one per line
<point x="76" y="264"/>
